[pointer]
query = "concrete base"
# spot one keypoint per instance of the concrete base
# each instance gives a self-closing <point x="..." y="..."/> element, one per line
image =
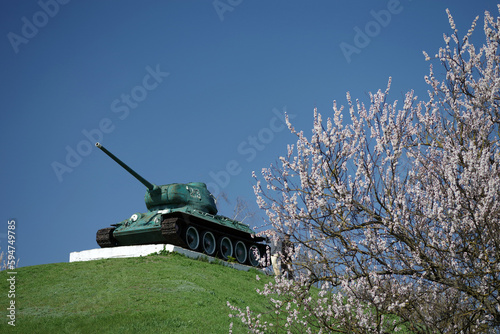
<point x="144" y="250"/>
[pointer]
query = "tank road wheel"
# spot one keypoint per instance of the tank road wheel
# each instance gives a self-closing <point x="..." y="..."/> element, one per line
<point x="240" y="252"/>
<point x="208" y="243"/>
<point x="254" y="255"/>
<point x="225" y="247"/>
<point x="192" y="238"/>
<point x="104" y="237"/>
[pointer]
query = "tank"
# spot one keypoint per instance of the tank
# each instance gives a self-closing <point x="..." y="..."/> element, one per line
<point x="185" y="215"/>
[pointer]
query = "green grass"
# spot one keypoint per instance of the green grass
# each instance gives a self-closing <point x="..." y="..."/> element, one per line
<point x="153" y="294"/>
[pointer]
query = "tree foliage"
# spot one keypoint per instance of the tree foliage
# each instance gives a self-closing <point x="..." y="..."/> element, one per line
<point x="395" y="213"/>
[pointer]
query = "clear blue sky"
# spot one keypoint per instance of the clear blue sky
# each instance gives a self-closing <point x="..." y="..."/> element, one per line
<point x="180" y="90"/>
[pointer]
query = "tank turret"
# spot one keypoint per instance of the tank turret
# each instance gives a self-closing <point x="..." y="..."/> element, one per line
<point x="171" y="196"/>
<point x="183" y="214"/>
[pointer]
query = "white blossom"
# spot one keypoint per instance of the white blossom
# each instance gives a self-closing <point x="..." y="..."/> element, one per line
<point x="395" y="212"/>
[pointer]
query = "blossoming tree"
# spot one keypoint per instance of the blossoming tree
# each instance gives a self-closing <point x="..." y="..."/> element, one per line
<point x="395" y="212"/>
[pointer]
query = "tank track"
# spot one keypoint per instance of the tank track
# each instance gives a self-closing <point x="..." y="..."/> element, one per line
<point x="104" y="237"/>
<point x="174" y="230"/>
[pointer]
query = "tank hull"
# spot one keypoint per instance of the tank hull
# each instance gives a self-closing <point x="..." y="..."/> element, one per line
<point x="189" y="228"/>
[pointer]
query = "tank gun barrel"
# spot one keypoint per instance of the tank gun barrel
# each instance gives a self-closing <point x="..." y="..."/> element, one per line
<point x="145" y="182"/>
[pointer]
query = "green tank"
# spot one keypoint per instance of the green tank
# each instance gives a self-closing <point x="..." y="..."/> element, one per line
<point x="183" y="215"/>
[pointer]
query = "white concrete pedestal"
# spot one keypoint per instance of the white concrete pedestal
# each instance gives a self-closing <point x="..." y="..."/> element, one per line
<point x="142" y="250"/>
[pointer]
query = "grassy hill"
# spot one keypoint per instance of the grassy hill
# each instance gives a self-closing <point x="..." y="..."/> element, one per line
<point x="153" y="294"/>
